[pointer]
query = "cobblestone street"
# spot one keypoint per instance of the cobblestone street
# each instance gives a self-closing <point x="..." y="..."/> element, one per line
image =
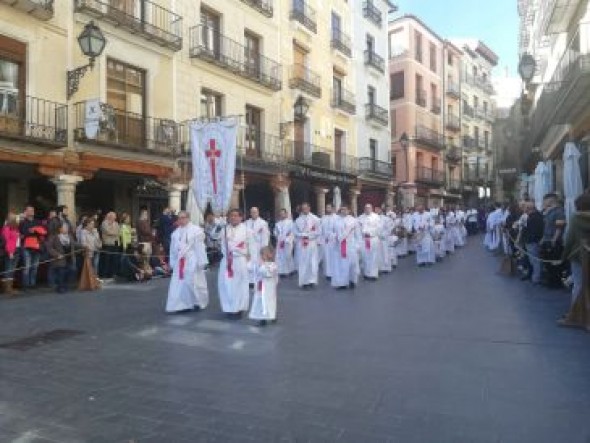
<point x="452" y="353"/>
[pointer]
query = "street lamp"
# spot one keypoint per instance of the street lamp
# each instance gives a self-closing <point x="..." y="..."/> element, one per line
<point x="527" y="67"/>
<point x="92" y="42"/>
<point x="300" y="110"/>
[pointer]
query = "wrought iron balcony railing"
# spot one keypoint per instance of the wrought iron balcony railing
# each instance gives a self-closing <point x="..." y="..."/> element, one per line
<point x="454" y="185"/>
<point x="344" y="100"/>
<point x="468" y="111"/>
<point x="129" y="131"/>
<point x="341" y="42"/>
<point x="377" y="113"/>
<point x="259" y="149"/>
<point x="453" y="155"/>
<point x="374" y="60"/>
<point x="308" y="154"/>
<point x="33" y="119"/>
<point x="306" y="80"/>
<point x="265" y="7"/>
<point x="469" y="142"/>
<point x="213" y="47"/>
<point x="303" y="13"/>
<point x="429" y="137"/>
<point x="143" y="17"/>
<point x="372" y="13"/>
<point x="453" y="90"/>
<point x="453" y="122"/>
<point x="436" y="106"/>
<point x="421" y="97"/>
<point x="368" y="165"/>
<point x="429" y="176"/>
<point x="41" y="9"/>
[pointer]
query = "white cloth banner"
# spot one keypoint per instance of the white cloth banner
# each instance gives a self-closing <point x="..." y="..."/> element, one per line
<point x="213" y="146"/>
<point x="572" y="179"/>
<point x="92" y="116"/>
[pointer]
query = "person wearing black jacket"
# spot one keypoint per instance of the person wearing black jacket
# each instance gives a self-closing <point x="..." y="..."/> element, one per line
<point x="532" y="234"/>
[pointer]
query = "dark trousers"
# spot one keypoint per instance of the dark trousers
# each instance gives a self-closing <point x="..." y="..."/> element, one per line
<point x="110" y="262"/>
<point x="62" y="276"/>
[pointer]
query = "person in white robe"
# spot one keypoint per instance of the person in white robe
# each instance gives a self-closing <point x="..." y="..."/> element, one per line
<point x="285" y="240"/>
<point x="232" y="281"/>
<point x="438" y="236"/>
<point x="264" y="302"/>
<point x="307" y="232"/>
<point x="328" y="243"/>
<point x="384" y="234"/>
<point x="458" y="230"/>
<point x="425" y="254"/>
<point x="370" y="230"/>
<point x="462" y="218"/>
<point x="401" y="248"/>
<point x="346" y="261"/>
<point x="408" y="221"/>
<point x="449" y="238"/>
<point x="493" y="229"/>
<point x="188" y="260"/>
<point x="258" y="238"/>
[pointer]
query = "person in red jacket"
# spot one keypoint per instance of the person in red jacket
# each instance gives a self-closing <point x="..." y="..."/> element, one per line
<point x="11" y="239"/>
<point x="33" y="234"/>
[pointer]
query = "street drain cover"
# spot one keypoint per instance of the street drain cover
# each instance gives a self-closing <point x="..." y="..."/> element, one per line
<point x="40" y="339"/>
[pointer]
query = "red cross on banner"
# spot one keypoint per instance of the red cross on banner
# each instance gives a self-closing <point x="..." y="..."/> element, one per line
<point x="213" y="154"/>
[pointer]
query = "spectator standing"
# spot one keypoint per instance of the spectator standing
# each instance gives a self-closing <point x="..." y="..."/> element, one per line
<point x="165" y="229"/>
<point x="111" y="242"/>
<point x="125" y="231"/>
<point x="11" y="239"/>
<point x="90" y="240"/>
<point x="532" y="234"/>
<point x="32" y="237"/>
<point x="61" y="248"/>
<point x="144" y="231"/>
<point x="552" y="244"/>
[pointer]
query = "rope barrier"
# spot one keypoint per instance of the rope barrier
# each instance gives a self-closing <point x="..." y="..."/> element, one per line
<point x="42" y="262"/>
<point x="534" y="257"/>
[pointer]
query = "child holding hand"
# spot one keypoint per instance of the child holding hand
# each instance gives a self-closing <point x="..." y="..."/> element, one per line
<point x="264" y="304"/>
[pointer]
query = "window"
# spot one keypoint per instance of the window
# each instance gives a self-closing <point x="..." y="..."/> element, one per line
<point x="254" y="130"/>
<point x="373" y="149"/>
<point x="125" y="87"/>
<point x="418" y="44"/>
<point x="450" y="59"/>
<point x="475" y="101"/>
<point x="10" y="87"/>
<point x="252" y="53"/>
<point x="13" y="64"/>
<point x="434" y="164"/>
<point x="370" y="44"/>
<point x="371" y="95"/>
<point x="210" y="25"/>
<point x="476" y="134"/>
<point x="394" y="163"/>
<point x="393" y="118"/>
<point x="337" y="89"/>
<point x="485" y="107"/>
<point x="336" y="26"/>
<point x="397" y="85"/>
<point x="432" y="57"/>
<point x="211" y="104"/>
<point x="434" y="96"/>
<point x="486" y="138"/>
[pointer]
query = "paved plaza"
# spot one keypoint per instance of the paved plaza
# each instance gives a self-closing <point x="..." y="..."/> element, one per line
<point x="453" y="353"/>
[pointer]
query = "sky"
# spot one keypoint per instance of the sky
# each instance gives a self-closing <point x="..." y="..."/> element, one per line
<point x="493" y="22"/>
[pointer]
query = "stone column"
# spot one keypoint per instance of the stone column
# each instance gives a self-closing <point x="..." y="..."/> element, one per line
<point x="320" y="194"/>
<point x="354" y="201"/>
<point x="65" y="185"/>
<point x="235" y="202"/>
<point x="175" y="196"/>
<point x="280" y="186"/>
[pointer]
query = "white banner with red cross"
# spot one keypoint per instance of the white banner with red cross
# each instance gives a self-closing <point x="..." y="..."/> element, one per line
<point x="213" y="146"/>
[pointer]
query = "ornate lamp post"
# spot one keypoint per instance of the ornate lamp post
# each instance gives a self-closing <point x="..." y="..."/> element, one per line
<point x="92" y="42"/>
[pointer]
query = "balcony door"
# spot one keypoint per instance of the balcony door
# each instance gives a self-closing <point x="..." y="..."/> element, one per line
<point x="253" y="131"/>
<point x="338" y="149"/>
<point x="300" y="63"/>
<point x="210" y="37"/>
<point x="337" y="90"/>
<point x="252" y="54"/>
<point x="336" y="26"/>
<point x="371" y="95"/>
<point x="126" y="104"/>
<point x="13" y="56"/>
<point x="373" y="153"/>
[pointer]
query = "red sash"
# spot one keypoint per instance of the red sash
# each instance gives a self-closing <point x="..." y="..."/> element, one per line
<point x="367" y="242"/>
<point x="305" y="241"/>
<point x="181" y="264"/>
<point x="259" y="285"/>
<point x="230" y="262"/>
<point x="282" y="245"/>
<point x="343" y="248"/>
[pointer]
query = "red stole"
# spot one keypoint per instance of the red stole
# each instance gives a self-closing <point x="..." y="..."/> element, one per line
<point x="343" y="248"/>
<point x="367" y="242"/>
<point x="181" y="264"/>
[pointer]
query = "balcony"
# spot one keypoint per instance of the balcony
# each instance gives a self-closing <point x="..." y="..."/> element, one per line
<point x="129" y="131"/>
<point x="374" y="60"/>
<point x="558" y="14"/>
<point x="421" y="98"/>
<point x="453" y="90"/>
<point x="142" y="17"/>
<point x="479" y="112"/>
<point x="372" y="13"/>
<point x="33" y="119"/>
<point x="215" y="48"/>
<point x="490" y="117"/>
<point x="469" y="142"/>
<point x="341" y="42"/>
<point x="41" y="9"/>
<point x="453" y="156"/>
<point x="265" y="7"/>
<point x="344" y="100"/>
<point x="377" y="114"/>
<point x="453" y="123"/>
<point x="306" y="154"/>
<point x="429" y="176"/>
<point x="454" y="185"/>
<point x="259" y="151"/>
<point x="305" y="80"/>
<point x="468" y="111"/>
<point x="474" y="176"/>
<point x="429" y="137"/>
<point x="303" y="13"/>
<point x="378" y="168"/>
<point x="436" y="106"/>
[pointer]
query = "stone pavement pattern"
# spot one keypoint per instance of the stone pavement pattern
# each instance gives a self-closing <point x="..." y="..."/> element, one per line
<point x="453" y="353"/>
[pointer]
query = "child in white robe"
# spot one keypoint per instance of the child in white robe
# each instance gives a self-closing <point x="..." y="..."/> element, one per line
<point x="264" y="303"/>
<point x="393" y="248"/>
<point x="438" y="236"/>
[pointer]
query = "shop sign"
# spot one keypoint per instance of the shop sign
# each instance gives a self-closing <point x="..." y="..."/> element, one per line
<point x="324" y="175"/>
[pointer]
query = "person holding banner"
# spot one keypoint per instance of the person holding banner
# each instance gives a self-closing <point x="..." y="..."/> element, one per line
<point x="307" y="231"/>
<point x="188" y="259"/>
<point x="233" y="278"/>
<point x="346" y="261"/>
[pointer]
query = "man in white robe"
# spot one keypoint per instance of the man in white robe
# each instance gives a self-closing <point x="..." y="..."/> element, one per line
<point x="408" y="222"/>
<point x="307" y="232"/>
<point x="328" y="243"/>
<point x="232" y="281"/>
<point x="370" y="231"/>
<point x="346" y="262"/>
<point x="258" y="238"/>
<point x="384" y="234"/>
<point x="425" y="254"/>
<point x="493" y="229"/>
<point x="188" y="260"/>
<point x="285" y="240"/>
